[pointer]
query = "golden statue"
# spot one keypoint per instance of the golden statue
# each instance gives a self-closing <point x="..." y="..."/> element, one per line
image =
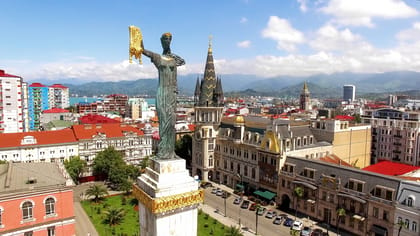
<point x="135" y="48"/>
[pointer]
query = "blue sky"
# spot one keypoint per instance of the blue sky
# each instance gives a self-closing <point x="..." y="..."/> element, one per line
<point x="88" y="39"/>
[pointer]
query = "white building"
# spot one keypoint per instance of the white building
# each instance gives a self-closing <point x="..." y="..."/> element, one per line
<point x="408" y="209"/>
<point x="46" y="146"/>
<point x="11" y="103"/>
<point x="349" y="93"/>
<point x="58" y="96"/>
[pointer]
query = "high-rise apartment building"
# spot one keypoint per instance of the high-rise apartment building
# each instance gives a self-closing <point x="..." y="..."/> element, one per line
<point x="37" y="102"/>
<point x="11" y="103"/>
<point x="349" y="93"/>
<point x="395" y="135"/>
<point x="58" y="96"/>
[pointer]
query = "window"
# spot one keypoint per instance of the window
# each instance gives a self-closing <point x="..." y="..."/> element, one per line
<point x="407" y="223"/>
<point x="375" y="212"/>
<point x="410" y="201"/>
<point x="414" y="226"/>
<point x="49" y="206"/>
<point x="385" y="215"/>
<point x="51" y="231"/>
<point x="29" y="233"/>
<point x="27" y="210"/>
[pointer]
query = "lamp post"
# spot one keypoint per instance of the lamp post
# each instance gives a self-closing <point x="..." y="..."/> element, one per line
<point x="240" y="176"/>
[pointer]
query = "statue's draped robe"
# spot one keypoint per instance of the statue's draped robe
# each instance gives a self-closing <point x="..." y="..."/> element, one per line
<point x="166" y="101"/>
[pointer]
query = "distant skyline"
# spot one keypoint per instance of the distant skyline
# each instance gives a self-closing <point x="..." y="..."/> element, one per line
<point x="88" y="39"/>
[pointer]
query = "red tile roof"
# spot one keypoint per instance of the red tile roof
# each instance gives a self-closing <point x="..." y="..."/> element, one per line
<point x="96" y="119"/>
<point x="42" y="138"/>
<point x="57" y="86"/>
<point x="110" y="130"/>
<point x="344" y="117"/>
<point x="55" y="110"/>
<point x="37" y="85"/>
<point x="391" y="168"/>
<point x="4" y="74"/>
<point x="333" y="159"/>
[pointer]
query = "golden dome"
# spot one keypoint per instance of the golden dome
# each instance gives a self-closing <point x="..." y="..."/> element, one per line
<point x="239" y="119"/>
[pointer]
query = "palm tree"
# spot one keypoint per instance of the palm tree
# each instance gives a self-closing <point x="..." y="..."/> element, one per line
<point x="233" y="231"/>
<point x="401" y="224"/>
<point x="96" y="191"/>
<point x="114" y="216"/>
<point x="341" y="212"/>
<point x="298" y="193"/>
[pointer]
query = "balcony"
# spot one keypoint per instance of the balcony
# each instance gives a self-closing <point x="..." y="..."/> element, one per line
<point x="396" y="151"/>
<point x="397" y="143"/>
<point x="398" y="136"/>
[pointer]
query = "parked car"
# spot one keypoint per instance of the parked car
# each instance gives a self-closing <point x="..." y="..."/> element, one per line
<point x="277" y="220"/>
<point x="206" y="184"/>
<point x="253" y="206"/>
<point x="270" y="214"/>
<point x="261" y="211"/>
<point x="219" y="192"/>
<point x="317" y="232"/>
<point x="237" y="200"/>
<point x="288" y="222"/>
<point x="306" y="231"/>
<point x="297" y="225"/>
<point x="245" y="204"/>
<point x="214" y="190"/>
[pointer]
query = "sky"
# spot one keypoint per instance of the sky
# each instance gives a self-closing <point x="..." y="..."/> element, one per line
<point x="88" y="39"/>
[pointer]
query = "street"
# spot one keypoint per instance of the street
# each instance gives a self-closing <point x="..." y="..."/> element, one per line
<point x="248" y="218"/>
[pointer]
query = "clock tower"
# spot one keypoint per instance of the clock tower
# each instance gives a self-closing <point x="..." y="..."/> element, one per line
<point x="208" y="107"/>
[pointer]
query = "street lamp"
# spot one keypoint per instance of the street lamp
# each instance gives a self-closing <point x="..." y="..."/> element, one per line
<point x="241" y="193"/>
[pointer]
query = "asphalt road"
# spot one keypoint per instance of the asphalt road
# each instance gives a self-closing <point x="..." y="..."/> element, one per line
<point x="248" y="218"/>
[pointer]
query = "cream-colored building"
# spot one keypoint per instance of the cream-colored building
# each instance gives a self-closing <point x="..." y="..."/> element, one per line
<point x="351" y="143"/>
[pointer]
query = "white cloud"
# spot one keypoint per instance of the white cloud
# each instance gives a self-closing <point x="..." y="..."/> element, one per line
<point x="361" y="12"/>
<point x="412" y="34"/>
<point x="243" y="20"/>
<point x="303" y="7"/>
<point x="244" y="44"/>
<point x="329" y="38"/>
<point x="281" y="31"/>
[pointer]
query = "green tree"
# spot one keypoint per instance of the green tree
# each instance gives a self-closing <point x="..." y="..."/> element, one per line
<point x="341" y="212"/>
<point x="144" y="163"/>
<point x="233" y="231"/>
<point x="400" y="225"/>
<point x="298" y="193"/>
<point x="3" y="162"/>
<point x="96" y="191"/>
<point x="107" y="159"/>
<point x="75" y="167"/>
<point x="183" y="148"/>
<point x="114" y="216"/>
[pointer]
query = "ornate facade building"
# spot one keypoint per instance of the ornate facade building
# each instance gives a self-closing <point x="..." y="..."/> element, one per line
<point x="208" y="106"/>
<point x="373" y="203"/>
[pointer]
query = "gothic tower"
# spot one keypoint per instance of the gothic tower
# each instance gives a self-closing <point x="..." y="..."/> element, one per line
<point x="208" y="107"/>
<point x="305" y="100"/>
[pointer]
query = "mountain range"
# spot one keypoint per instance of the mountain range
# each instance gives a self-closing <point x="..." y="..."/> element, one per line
<point x="321" y="85"/>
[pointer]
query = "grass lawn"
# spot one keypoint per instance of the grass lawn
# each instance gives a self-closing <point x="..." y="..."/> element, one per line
<point x="130" y="225"/>
<point x="209" y="226"/>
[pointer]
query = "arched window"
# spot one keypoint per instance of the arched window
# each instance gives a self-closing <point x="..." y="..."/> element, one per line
<point x="49" y="206"/>
<point x="410" y="201"/>
<point x="27" y="210"/>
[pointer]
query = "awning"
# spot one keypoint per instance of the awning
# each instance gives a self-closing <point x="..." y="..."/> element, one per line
<point x="313" y="187"/>
<point x="266" y="194"/>
<point x="357" y="217"/>
<point x="379" y="230"/>
<point x="239" y="187"/>
<point x="352" y="197"/>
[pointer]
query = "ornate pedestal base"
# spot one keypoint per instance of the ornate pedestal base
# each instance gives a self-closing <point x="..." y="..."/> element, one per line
<point x="168" y="199"/>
